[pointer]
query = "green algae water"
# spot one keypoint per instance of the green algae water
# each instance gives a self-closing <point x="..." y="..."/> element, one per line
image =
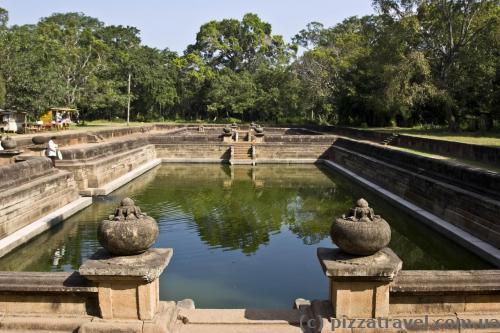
<point x="242" y="236"/>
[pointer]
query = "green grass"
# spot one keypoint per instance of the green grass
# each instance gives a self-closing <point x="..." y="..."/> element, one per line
<point x="472" y="163"/>
<point x="491" y="139"/>
<point x="107" y="123"/>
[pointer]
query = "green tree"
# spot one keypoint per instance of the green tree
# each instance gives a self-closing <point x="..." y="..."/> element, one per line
<point x="239" y="45"/>
<point x="459" y="38"/>
<point x="4" y="18"/>
<point x="154" y="83"/>
<point x="232" y="94"/>
<point x="31" y="76"/>
<point x="278" y="95"/>
<point x="78" y="51"/>
<point x="193" y="82"/>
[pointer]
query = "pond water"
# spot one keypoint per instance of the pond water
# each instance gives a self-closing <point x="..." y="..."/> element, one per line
<point x="242" y="236"/>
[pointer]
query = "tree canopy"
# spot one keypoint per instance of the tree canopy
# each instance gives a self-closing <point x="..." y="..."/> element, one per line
<point x="413" y="62"/>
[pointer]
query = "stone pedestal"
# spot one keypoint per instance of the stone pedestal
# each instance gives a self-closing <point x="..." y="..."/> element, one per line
<point x="38" y="150"/>
<point x="128" y="286"/>
<point x="7" y="156"/>
<point x="259" y="138"/>
<point x="227" y="138"/>
<point x="359" y="286"/>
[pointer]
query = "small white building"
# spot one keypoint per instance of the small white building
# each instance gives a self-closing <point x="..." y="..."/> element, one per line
<point x="12" y="121"/>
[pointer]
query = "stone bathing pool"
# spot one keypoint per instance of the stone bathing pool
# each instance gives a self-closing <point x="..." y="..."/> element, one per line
<point x="242" y="236"/>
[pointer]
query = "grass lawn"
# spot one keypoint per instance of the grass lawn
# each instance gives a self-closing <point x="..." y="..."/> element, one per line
<point x="477" y="138"/>
<point x="107" y="123"/>
<point x="472" y="163"/>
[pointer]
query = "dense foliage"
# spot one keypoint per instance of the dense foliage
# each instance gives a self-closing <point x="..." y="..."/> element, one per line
<point x="415" y="62"/>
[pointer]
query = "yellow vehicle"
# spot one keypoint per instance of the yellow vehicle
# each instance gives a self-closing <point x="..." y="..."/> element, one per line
<point x="58" y="118"/>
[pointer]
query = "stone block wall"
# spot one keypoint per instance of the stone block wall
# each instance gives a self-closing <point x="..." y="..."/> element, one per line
<point x="485" y="154"/>
<point x="194" y="151"/>
<point x="479" y="153"/>
<point x="469" y="211"/>
<point x="481" y="181"/>
<point x="30" y="190"/>
<point x="277" y="151"/>
<point x="97" y="165"/>
<point x="297" y="139"/>
<point x="188" y="138"/>
<point x="445" y="293"/>
<point x="68" y="139"/>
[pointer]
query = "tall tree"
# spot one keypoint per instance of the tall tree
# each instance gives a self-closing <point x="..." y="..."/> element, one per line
<point x="78" y="51"/>
<point x="239" y="45"/>
<point x="4" y="18"/>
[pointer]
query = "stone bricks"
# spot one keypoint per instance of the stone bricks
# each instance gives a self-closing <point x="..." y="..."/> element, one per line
<point x="39" y="189"/>
<point x="470" y="211"/>
<point x="128" y="285"/>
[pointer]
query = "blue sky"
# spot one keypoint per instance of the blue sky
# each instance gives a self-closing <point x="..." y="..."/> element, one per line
<point x="174" y="24"/>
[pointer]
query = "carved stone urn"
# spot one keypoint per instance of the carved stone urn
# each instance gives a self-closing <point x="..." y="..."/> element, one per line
<point x="227" y="131"/>
<point x="259" y="131"/>
<point x="8" y="143"/>
<point x="361" y="232"/>
<point x="39" y="140"/>
<point x="128" y="231"/>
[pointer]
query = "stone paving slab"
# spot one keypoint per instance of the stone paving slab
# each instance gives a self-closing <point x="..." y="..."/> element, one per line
<point x="207" y="328"/>
<point x="241" y="316"/>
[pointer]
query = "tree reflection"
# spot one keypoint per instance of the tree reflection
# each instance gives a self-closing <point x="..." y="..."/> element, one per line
<point x="239" y="209"/>
<point x="245" y="206"/>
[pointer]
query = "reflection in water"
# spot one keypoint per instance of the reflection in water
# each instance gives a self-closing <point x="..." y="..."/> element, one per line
<point x="242" y="236"/>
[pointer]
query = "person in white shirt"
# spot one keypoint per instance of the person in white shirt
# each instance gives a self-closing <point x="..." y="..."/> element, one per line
<point x="52" y="150"/>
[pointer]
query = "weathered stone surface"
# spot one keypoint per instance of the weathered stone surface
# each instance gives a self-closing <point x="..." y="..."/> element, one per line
<point x="428" y="282"/>
<point x="145" y="267"/>
<point x="45" y="323"/>
<point x="8" y="143"/>
<point x="30" y="190"/>
<point x="457" y="173"/>
<point x="359" y="286"/>
<point x="39" y="282"/>
<point x="112" y="327"/>
<point x="469" y="211"/>
<point x="100" y="164"/>
<point x="129" y="231"/>
<point x="187" y="304"/>
<point x="39" y="140"/>
<point x="480" y="153"/>
<point x="361" y="232"/>
<point x="382" y="266"/>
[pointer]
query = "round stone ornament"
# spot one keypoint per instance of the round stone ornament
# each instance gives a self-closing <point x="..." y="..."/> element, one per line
<point x="361" y="232"/>
<point x="128" y="231"/>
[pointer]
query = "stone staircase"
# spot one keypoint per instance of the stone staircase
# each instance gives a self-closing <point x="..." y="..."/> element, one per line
<point x="242" y="153"/>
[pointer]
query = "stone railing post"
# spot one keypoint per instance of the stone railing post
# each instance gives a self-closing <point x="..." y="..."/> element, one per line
<point x="128" y="286"/>
<point x="259" y="134"/>
<point x="363" y="267"/>
<point x="227" y="135"/>
<point x="126" y="272"/>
